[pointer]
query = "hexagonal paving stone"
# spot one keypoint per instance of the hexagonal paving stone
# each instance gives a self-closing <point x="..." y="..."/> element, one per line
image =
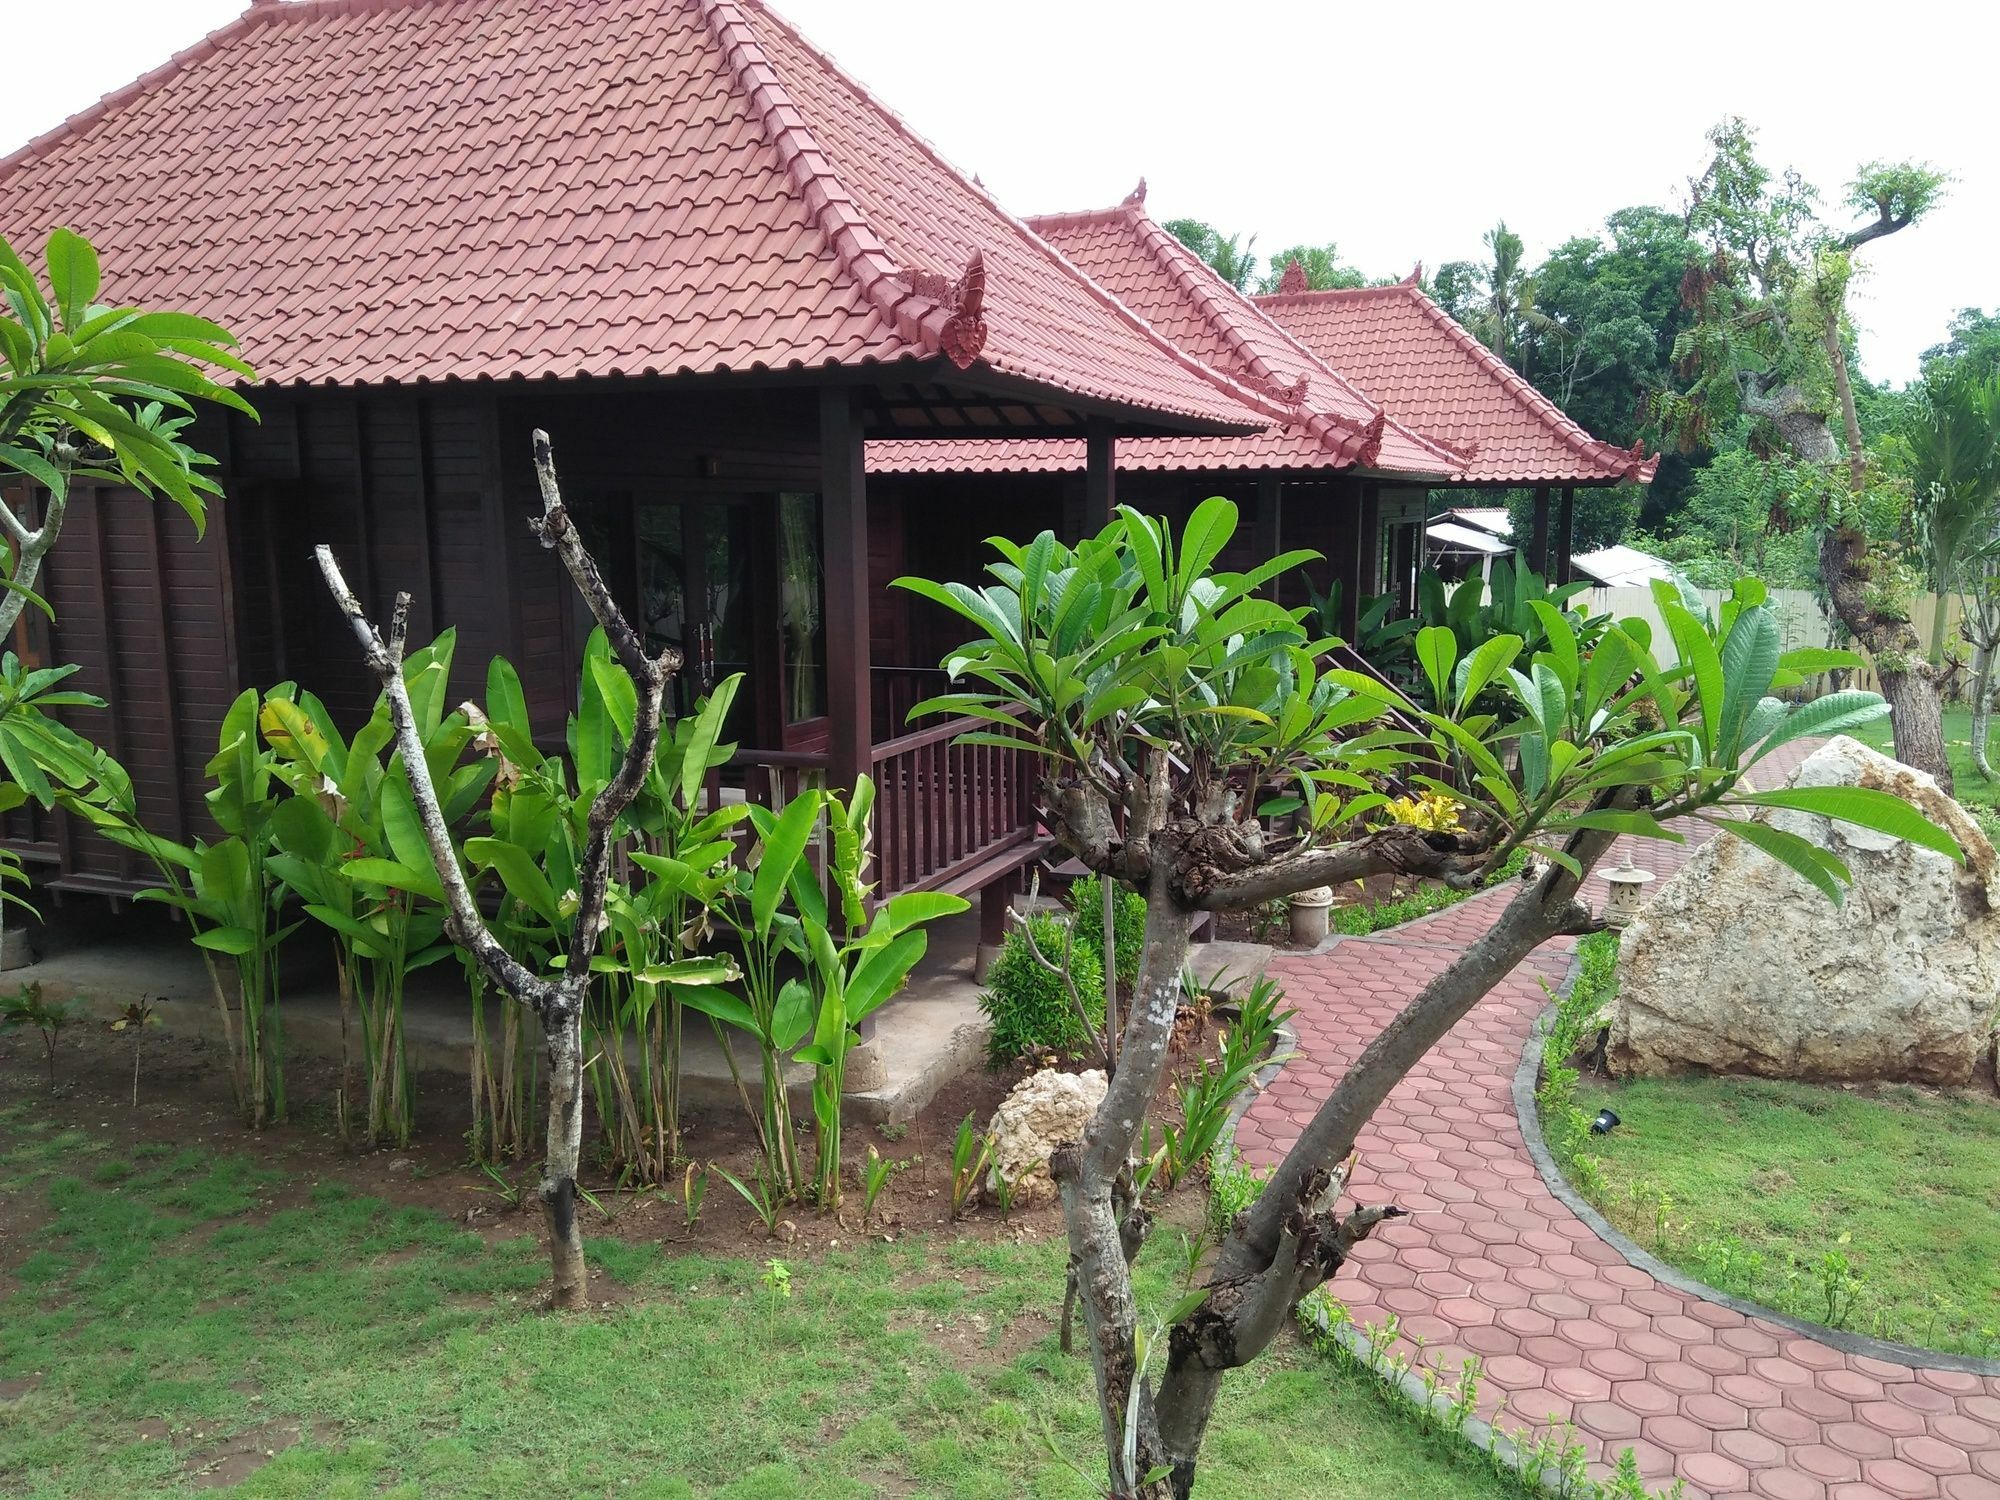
<point x="1929" y="1453"/>
<point x="1678" y="1435"/>
<point x="1902" y="1480"/>
<point x="1645" y="1398"/>
<point x="1751" y="1448"/>
<point x="1717" y="1413"/>
<point x="1679" y="1375"/>
<point x="1861" y="1440"/>
<point x="1787" y="1484"/>
<point x="1609" y="1420"/>
<point x="1715" y="1473"/>
<point x="1823" y="1462"/>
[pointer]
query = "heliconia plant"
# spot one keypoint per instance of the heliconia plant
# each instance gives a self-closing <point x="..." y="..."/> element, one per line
<point x="230" y="894"/>
<point x="351" y="846"/>
<point x="857" y="974"/>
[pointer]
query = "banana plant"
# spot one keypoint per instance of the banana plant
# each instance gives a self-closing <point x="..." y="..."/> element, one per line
<point x="354" y="851"/>
<point x="854" y="976"/>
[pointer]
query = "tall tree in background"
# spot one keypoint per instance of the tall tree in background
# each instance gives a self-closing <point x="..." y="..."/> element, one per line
<point x="1321" y="264"/>
<point x="1769" y="339"/>
<point x="1974" y="341"/>
<point x="1952" y="445"/>
<point x="1227" y="255"/>
<point x="1505" y="317"/>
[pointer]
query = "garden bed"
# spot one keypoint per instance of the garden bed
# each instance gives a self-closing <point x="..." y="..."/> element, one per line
<point x="183" y="1304"/>
<point x="1873" y="1210"/>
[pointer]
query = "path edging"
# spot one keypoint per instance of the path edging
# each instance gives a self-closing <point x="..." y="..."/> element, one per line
<point x="1525" y="1076"/>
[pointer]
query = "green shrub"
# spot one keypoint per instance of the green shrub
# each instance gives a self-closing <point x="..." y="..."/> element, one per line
<point x="1086" y="899"/>
<point x="1028" y="1005"/>
<point x="1565" y="1124"/>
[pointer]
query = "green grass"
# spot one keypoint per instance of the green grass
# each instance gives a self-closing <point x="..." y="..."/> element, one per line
<point x="193" y="1293"/>
<point x="1360" y="918"/>
<point x="1878" y="1213"/>
<point x="1969" y="787"/>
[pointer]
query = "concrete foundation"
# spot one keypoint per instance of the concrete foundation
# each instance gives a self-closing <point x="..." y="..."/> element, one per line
<point x="928" y="1035"/>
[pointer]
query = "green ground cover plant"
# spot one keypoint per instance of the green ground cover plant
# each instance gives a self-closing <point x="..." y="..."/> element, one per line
<point x="175" y="1291"/>
<point x="1868" y="1210"/>
<point x="1362" y="918"/>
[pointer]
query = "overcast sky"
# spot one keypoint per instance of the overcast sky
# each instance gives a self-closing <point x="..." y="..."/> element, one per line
<point x="1400" y="132"/>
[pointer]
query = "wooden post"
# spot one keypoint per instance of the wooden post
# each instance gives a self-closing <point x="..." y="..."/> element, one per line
<point x="1538" y="537"/>
<point x="1352" y="568"/>
<point x="1100" y="476"/>
<point x="1565" y="525"/>
<point x="844" y="562"/>
<point x="1270" y="497"/>
<point x="1371" y="540"/>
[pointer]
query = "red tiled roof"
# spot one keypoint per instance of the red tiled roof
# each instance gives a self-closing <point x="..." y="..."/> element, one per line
<point x="421" y="190"/>
<point x="1412" y="356"/>
<point x="1123" y="250"/>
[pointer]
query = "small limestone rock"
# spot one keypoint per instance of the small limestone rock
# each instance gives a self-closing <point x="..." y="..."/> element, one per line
<point x="1044" y="1111"/>
<point x="402" y="1166"/>
<point x="1739" y="966"/>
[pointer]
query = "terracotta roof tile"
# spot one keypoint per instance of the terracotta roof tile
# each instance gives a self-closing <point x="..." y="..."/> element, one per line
<point x="1401" y="347"/>
<point x="1329" y="423"/>
<point x="402" y="190"/>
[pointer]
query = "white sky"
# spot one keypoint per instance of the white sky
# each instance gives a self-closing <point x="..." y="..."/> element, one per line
<point x="1400" y="132"/>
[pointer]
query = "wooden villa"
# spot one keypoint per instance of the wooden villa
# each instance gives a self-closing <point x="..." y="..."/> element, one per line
<point x="1388" y="401"/>
<point x="672" y="233"/>
<point x="1427" y="368"/>
<point x="785" y="351"/>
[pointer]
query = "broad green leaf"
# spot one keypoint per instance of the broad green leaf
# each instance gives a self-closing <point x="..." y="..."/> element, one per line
<point x="1862" y="806"/>
<point x="520" y="873"/>
<point x="1802" y="856"/>
<point x="782" y="850"/>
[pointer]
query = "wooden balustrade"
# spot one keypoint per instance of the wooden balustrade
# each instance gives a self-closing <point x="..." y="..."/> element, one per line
<point x="945" y="810"/>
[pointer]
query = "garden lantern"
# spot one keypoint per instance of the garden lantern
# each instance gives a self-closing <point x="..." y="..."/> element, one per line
<point x="1628" y="893"/>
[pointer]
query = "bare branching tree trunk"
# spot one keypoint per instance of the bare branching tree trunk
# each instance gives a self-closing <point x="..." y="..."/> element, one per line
<point x="558" y="1002"/>
<point x="1155" y="1410"/>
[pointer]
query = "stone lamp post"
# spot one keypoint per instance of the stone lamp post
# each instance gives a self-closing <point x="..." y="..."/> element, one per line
<point x="1628" y="893"/>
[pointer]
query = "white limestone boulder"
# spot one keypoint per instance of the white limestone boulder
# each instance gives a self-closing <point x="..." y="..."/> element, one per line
<point x="1739" y="966"/>
<point x="1045" y="1110"/>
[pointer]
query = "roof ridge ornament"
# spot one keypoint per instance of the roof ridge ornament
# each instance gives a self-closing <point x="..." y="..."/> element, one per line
<point x="1294" y="280"/>
<point x="964" y="331"/>
<point x="1137" y="197"/>
<point x="1416" y="277"/>
<point x="1285" y="395"/>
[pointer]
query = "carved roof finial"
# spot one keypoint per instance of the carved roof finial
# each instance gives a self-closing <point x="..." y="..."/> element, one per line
<point x="1294" y="280"/>
<point x="1415" y="278"/>
<point x="1137" y="197"/>
<point x="964" y="333"/>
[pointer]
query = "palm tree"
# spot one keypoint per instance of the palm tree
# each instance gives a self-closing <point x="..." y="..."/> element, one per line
<point x="1505" y="314"/>
<point x="1227" y="255"/>
<point x="1952" y="446"/>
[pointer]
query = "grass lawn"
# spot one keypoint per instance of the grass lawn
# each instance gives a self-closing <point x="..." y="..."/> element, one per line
<point x="169" y="1314"/>
<point x="1970" y="788"/>
<point x="1752" y="1184"/>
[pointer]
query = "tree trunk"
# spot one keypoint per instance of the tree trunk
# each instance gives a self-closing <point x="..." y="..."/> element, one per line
<point x="1102" y="1241"/>
<point x="1937" y="625"/>
<point x="1982" y="707"/>
<point x="1916" y="712"/>
<point x="565" y="1147"/>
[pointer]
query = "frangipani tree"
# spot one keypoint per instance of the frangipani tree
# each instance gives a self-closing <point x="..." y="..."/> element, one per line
<point x="1168" y="701"/>
<point x="98" y="392"/>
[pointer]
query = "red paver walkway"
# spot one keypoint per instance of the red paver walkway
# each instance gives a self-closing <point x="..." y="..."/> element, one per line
<point x="1494" y="1264"/>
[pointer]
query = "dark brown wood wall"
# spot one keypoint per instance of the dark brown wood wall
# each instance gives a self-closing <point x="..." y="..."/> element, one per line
<point x="143" y="609"/>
